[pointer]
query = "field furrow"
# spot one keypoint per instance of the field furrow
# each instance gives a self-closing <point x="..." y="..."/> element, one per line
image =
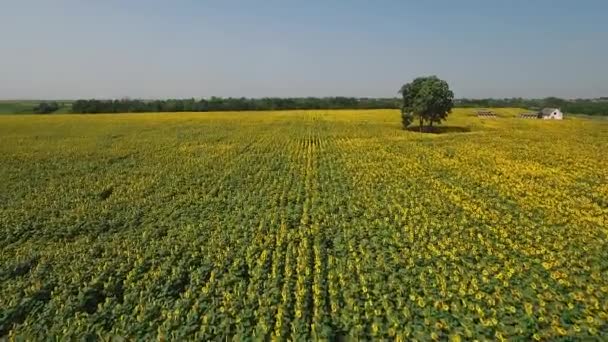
<point x="302" y="225"/>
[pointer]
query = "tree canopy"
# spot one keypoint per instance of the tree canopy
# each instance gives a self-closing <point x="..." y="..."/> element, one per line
<point x="427" y="99"/>
<point x="46" y="107"/>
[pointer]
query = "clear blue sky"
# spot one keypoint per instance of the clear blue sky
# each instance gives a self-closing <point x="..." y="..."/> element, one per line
<point x="159" y="49"/>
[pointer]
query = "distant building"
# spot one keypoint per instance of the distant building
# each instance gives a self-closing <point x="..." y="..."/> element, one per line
<point x="546" y="113"/>
<point x="551" y="113"/>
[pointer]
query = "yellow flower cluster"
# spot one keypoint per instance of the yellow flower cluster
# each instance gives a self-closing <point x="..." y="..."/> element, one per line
<point x="303" y="225"/>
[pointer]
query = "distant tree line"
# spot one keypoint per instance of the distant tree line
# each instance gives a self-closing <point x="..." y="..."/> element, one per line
<point x="597" y="106"/>
<point x="230" y="104"/>
<point x="580" y="106"/>
<point x="46" y="107"/>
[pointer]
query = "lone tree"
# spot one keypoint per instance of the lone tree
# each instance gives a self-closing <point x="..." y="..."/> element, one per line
<point x="426" y="99"/>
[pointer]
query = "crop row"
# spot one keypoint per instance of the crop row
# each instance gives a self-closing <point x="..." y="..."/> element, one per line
<point x="305" y="225"/>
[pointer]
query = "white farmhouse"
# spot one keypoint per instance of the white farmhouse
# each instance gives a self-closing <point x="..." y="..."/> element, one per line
<point x="551" y="113"/>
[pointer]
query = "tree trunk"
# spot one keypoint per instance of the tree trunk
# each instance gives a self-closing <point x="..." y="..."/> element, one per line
<point x="421" y="123"/>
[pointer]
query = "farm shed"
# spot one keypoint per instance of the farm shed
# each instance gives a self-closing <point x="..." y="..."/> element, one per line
<point x="546" y="113"/>
<point x="551" y="113"/>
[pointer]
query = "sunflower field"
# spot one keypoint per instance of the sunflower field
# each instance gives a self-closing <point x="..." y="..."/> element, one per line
<point x="302" y="225"/>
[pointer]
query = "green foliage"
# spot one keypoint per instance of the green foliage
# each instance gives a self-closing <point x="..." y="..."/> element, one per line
<point x="46" y="107"/>
<point x="407" y="118"/>
<point x="34" y="106"/>
<point x="230" y="104"/>
<point x="17" y="107"/>
<point x="597" y="106"/>
<point x="426" y="99"/>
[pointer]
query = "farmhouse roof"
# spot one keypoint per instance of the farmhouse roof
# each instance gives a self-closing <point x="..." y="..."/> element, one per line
<point x="548" y="111"/>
